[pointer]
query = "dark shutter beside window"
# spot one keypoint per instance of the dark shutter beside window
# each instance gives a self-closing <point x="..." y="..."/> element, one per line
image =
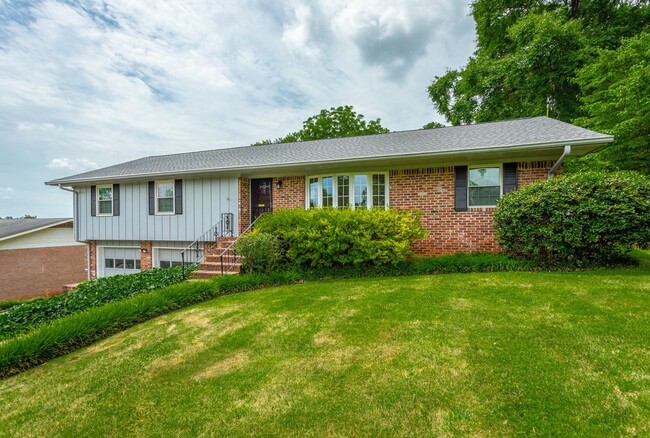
<point x="152" y="197"/>
<point x="178" y="195"/>
<point x="93" y="200"/>
<point x="460" y="188"/>
<point x="509" y="177"/>
<point x="116" y="199"/>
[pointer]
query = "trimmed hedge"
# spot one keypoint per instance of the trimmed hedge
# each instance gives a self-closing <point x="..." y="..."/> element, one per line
<point x="590" y="218"/>
<point x="25" y="316"/>
<point x="323" y="238"/>
<point x="260" y="252"/>
<point x="67" y="334"/>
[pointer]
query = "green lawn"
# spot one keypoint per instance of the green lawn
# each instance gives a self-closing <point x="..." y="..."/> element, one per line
<point x="555" y="354"/>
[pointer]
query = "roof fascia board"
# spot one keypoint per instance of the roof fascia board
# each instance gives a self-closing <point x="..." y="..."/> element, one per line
<point x="44" y="227"/>
<point x="576" y="142"/>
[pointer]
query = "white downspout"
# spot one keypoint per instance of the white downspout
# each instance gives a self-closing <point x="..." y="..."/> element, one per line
<point x="567" y="151"/>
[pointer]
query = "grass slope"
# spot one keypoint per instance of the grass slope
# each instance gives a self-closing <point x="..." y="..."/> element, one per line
<point x="486" y="354"/>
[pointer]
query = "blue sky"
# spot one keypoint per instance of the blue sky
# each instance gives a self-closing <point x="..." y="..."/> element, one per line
<point x="90" y="84"/>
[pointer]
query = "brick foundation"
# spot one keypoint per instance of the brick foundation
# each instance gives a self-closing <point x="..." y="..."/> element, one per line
<point x="27" y="273"/>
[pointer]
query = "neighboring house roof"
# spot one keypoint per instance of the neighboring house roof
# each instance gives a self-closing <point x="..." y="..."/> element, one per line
<point x="10" y="228"/>
<point x="536" y="132"/>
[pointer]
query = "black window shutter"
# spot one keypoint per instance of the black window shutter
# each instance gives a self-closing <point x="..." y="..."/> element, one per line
<point x="93" y="200"/>
<point x="509" y="177"/>
<point x="116" y="199"/>
<point x="460" y="188"/>
<point x="152" y="197"/>
<point x="178" y="194"/>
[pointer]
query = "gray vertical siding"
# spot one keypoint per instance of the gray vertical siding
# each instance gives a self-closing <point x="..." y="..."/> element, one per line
<point x="204" y="199"/>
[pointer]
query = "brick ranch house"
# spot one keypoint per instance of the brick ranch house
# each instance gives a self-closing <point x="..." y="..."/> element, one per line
<point x="39" y="256"/>
<point x="140" y="214"/>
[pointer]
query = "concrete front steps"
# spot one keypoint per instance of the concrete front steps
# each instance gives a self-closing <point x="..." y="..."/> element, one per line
<point x="211" y="265"/>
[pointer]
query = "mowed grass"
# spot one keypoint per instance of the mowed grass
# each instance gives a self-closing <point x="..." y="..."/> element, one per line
<point x="553" y="354"/>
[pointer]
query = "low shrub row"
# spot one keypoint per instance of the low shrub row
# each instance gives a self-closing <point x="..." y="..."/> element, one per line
<point x="324" y="238"/>
<point x="24" y="317"/>
<point x="67" y="334"/>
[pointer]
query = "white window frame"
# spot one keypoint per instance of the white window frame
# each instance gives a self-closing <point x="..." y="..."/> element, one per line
<point x="351" y="175"/>
<point x="105" y="186"/>
<point x="162" y="213"/>
<point x="485" y="166"/>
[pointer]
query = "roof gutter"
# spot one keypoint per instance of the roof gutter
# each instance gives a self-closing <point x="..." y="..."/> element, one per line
<point x="558" y="163"/>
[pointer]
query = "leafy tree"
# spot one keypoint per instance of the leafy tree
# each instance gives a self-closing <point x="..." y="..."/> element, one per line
<point x="528" y="56"/>
<point x="433" y="125"/>
<point x="337" y="122"/>
<point x="617" y="101"/>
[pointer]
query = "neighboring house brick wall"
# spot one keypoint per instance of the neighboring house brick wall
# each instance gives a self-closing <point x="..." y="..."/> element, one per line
<point x="291" y="194"/>
<point x="244" y="204"/>
<point x="27" y="273"/>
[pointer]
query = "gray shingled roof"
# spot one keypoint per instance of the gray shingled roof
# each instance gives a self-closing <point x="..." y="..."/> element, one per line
<point x="540" y="131"/>
<point x="11" y="227"/>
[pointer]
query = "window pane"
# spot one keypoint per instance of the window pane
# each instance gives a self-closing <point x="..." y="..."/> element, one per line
<point x="165" y="205"/>
<point x="176" y="263"/>
<point x="164" y="264"/>
<point x="166" y="190"/>
<point x="360" y="191"/>
<point x="105" y="207"/>
<point x="137" y="264"/>
<point x="479" y="196"/>
<point x="379" y="190"/>
<point x="484" y="176"/>
<point x="119" y="263"/>
<point x="328" y="191"/>
<point x="343" y="191"/>
<point x="129" y="264"/>
<point x="108" y="263"/>
<point x="313" y="192"/>
<point x="105" y="193"/>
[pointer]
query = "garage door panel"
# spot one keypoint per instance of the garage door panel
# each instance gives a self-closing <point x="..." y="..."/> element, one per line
<point x="118" y="261"/>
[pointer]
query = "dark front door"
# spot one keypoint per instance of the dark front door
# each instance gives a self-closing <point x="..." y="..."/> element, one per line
<point x="261" y="198"/>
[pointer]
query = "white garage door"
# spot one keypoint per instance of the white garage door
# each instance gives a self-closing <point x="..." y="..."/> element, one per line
<point x="121" y="261"/>
<point x="168" y="257"/>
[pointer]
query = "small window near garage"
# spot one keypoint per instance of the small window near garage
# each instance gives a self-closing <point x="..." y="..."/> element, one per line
<point x="129" y="264"/>
<point x="119" y="263"/>
<point x="165" y="197"/>
<point x="105" y="200"/>
<point x="484" y="186"/>
<point x="137" y="264"/>
<point x="165" y="264"/>
<point x="109" y="263"/>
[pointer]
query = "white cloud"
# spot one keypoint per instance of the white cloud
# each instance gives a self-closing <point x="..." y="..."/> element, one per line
<point x="114" y="80"/>
<point x="6" y="189"/>
<point x="74" y="164"/>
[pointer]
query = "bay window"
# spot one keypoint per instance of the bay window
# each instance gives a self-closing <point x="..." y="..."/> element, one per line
<point x="362" y="190"/>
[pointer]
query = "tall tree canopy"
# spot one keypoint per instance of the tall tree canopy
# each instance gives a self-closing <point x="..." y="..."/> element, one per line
<point x="337" y="122"/>
<point x="535" y="56"/>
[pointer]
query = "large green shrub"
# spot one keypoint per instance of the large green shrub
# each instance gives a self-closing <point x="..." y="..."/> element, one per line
<point x="24" y="317"/>
<point x="331" y="237"/>
<point x="260" y="252"/>
<point x="581" y="219"/>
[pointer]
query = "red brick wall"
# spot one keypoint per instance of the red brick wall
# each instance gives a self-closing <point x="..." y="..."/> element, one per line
<point x="431" y="190"/>
<point x="244" y="204"/>
<point x="27" y="273"/>
<point x="146" y="261"/>
<point x="291" y="194"/>
<point x="93" y="259"/>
